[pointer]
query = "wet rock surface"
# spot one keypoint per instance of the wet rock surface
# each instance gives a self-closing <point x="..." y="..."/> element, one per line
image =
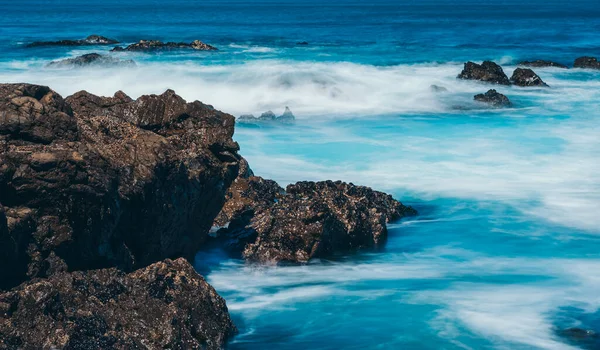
<point x="321" y="219"/>
<point x="93" y="182"/>
<point x="526" y="77"/>
<point x="488" y="72"/>
<point x="494" y="99"/>
<point x="542" y="64"/>
<point x="91" y="59"/>
<point x="587" y="62"/>
<point x="90" y="40"/>
<point x="165" y="305"/>
<point x="156" y="45"/>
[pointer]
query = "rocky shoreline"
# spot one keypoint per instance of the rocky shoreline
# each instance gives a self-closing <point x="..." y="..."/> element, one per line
<point x="98" y="193"/>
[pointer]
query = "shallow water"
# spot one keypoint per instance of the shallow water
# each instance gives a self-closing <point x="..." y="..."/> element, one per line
<point x="506" y="251"/>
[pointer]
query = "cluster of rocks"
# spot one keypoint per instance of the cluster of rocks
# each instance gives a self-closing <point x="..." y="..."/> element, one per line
<point x="156" y="45"/>
<point x="91" y="59"/>
<point x="89" y="41"/>
<point x="98" y="193"/>
<point x="268" y="117"/>
<point x="586" y="62"/>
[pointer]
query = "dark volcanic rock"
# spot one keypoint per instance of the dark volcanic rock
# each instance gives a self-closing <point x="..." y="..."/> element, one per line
<point x="269" y="117"/>
<point x="91" y="59"/>
<point x="95" y="182"/>
<point x="488" y="72"/>
<point x="156" y="45"/>
<point x="90" y="40"/>
<point x="587" y="62"/>
<point x="321" y="219"/>
<point x="494" y="99"/>
<point x="542" y="64"/>
<point x="526" y="77"/>
<point x="165" y="305"/>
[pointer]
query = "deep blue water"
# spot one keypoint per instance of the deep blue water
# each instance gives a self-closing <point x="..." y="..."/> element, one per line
<point x="506" y="251"/>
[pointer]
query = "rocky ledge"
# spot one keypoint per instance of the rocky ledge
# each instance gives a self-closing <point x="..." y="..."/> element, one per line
<point x="90" y="40"/>
<point x="156" y="45"/>
<point x="91" y="59"/>
<point x="93" y="182"/>
<point x="494" y="99"/>
<point x="165" y="305"/>
<point x="488" y="72"/>
<point x="307" y="220"/>
<point x="542" y="64"/>
<point x="587" y="62"/>
<point x="525" y="77"/>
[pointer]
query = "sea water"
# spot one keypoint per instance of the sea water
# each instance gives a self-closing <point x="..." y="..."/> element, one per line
<point x="505" y="253"/>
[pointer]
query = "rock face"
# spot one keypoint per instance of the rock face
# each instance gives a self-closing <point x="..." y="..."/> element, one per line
<point x="587" y="62"/>
<point x="542" y="64"/>
<point x="155" y="45"/>
<point x="309" y="220"/>
<point x="526" y="77"/>
<point x="269" y="117"/>
<point x="165" y="305"/>
<point x="93" y="182"/>
<point x="90" y="40"/>
<point x="494" y="99"/>
<point x="488" y="72"/>
<point x="91" y="59"/>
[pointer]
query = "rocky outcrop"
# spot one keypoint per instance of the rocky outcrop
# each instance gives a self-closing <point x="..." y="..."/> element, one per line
<point x="89" y="41"/>
<point x="269" y="117"/>
<point x="587" y="62"/>
<point x="94" y="182"/>
<point x="525" y="77"/>
<point x="165" y="305"/>
<point x="494" y="99"/>
<point x="91" y="59"/>
<point x="309" y="220"/>
<point x="542" y="64"/>
<point x="156" y="45"/>
<point x="488" y="72"/>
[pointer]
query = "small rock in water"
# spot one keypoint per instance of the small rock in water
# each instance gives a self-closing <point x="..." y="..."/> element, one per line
<point x="488" y="72"/>
<point x="91" y="59"/>
<point x="90" y="40"/>
<point x="494" y="99"/>
<point x="302" y="43"/>
<point x="587" y="62"/>
<point x="437" y="88"/>
<point x="541" y="64"/>
<point x="287" y="116"/>
<point x="268" y="117"/>
<point x="157" y="45"/>
<point x="526" y="77"/>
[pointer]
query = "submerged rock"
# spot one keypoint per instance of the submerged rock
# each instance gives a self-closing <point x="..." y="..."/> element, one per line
<point x="90" y="40"/>
<point x="586" y="338"/>
<point x="494" y="99"/>
<point x="488" y="72"/>
<point x="93" y="182"/>
<point x="156" y="45"/>
<point x="302" y="43"/>
<point x="542" y="64"/>
<point x="437" y="88"/>
<point x="587" y="62"/>
<point x="91" y="59"/>
<point x="526" y="77"/>
<point x="320" y="219"/>
<point x="165" y="305"/>
<point x="268" y="117"/>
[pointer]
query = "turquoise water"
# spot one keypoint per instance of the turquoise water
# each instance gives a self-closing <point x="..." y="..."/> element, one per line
<point x="506" y="251"/>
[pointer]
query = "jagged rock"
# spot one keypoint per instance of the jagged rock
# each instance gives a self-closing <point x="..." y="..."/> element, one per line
<point x="156" y="45"/>
<point x="542" y="64"/>
<point x="526" y="77"/>
<point x="494" y="99"/>
<point x="93" y="182"/>
<point x="321" y="219"/>
<point x="488" y="72"/>
<point x="165" y="305"/>
<point x="587" y="62"/>
<point x="268" y="117"/>
<point x="90" y="40"/>
<point x="287" y="116"/>
<point x="91" y="59"/>
<point x="437" y="88"/>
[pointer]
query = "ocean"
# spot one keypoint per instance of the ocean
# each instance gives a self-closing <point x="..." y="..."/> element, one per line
<point x="505" y="253"/>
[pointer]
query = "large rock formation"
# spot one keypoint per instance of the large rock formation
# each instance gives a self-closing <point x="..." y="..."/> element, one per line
<point x="525" y="77"/>
<point x="94" y="182"/>
<point x="494" y="99"/>
<point x="587" y="62"/>
<point x="165" y="305"/>
<point x="90" y="40"/>
<point x="488" y="72"/>
<point x="91" y="59"/>
<point x="309" y="220"/>
<point x="542" y="64"/>
<point x="156" y="45"/>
